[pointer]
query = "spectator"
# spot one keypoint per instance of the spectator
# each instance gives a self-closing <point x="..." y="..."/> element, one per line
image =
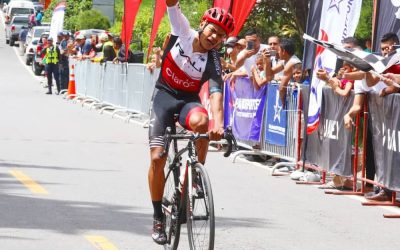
<point x="366" y="82"/>
<point x="276" y="63"/>
<point x="64" y="61"/>
<point x="22" y="39"/>
<point x="247" y="57"/>
<point x="368" y="45"/>
<point x="52" y="56"/>
<point x="300" y="76"/>
<point x="117" y="45"/>
<point x="39" y="17"/>
<point x="340" y="85"/>
<point x="108" y="48"/>
<point x="258" y="72"/>
<point x="83" y="46"/>
<point x="32" y="19"/>
<point x="286" y="53"/>
<point x="234" y="46"/>
<point x="387" y="47"/>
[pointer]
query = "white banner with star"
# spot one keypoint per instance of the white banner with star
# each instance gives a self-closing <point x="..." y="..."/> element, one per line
<point x="339" y="19"/>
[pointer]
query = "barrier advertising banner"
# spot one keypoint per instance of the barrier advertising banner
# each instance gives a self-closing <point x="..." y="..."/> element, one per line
<point x="330" y="147"/>
<point x="339" y="19"/>
<point x="384" y="123"/>
<point x="244" y="108"/>
<point x="275" y="132"/>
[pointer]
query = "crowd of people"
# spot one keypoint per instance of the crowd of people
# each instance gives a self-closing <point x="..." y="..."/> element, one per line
<point x="98" y="48"/>
<point x="276" y="62"/>
<point x="262" y="63"/>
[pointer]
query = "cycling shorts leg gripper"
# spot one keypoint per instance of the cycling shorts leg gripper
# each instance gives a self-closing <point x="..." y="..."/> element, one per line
<point x="156" y="142"/>
<point x="188" y="110"/>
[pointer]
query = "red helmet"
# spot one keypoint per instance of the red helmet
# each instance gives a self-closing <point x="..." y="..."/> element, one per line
<point x="220" y="17"/>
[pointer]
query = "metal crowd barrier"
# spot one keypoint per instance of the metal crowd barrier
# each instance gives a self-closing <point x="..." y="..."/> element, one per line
<point x="289" y="153"/>
<point x="119" y="87"/>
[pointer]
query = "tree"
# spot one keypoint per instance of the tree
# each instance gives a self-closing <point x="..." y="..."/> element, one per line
<point x="92" y="19"/>
<point x="286" y="18"/>
<point x="74" y="8"/>
<point x="364" y="28"/>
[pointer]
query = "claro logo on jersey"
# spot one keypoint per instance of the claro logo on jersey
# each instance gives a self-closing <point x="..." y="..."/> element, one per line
<point x="185" y="83"/>
<point x="178" y="79"/>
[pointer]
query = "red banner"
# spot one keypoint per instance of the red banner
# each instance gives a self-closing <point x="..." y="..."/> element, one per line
<point x="240" y="11"/>
<point x="159" y="11"/>
<point x="223" y="4"/>
<point x="46" y="4"/>
<point x="131" y="8"/>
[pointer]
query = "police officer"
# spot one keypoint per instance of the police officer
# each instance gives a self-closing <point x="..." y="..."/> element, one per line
<point x="64" y="65"/>
<point x="52" y="57"/>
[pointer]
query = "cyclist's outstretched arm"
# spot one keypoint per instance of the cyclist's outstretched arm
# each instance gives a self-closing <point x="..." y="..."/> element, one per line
<point x="180" y="26"/>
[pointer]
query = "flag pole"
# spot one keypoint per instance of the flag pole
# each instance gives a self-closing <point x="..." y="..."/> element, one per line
<point x="374" y="22"/>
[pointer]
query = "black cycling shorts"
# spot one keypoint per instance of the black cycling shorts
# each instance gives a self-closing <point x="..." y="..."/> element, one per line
<point x="165" y="107"/>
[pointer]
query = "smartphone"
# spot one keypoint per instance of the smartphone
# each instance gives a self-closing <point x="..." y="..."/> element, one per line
<point x="272" y="52"/>
<point x="250" y="45"/>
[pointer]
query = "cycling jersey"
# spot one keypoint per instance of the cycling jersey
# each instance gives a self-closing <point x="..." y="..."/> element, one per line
<point x="183" y="71"/>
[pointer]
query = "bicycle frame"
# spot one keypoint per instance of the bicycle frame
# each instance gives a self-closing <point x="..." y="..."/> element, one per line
<point x="191" y="161"/>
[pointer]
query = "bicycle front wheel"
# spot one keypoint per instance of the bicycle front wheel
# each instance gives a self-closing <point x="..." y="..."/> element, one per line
<point x="200" y="213"/>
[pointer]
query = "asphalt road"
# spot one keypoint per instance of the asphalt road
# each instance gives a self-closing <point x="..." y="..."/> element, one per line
<point x="87" y="179"/>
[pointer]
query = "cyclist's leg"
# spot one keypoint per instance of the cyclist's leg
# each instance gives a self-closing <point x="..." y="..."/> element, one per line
<point x="162" y="116"/>
<point x="194" y="117"/>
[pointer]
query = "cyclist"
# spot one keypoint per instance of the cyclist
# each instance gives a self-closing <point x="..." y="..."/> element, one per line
<point x="189" y="60"/>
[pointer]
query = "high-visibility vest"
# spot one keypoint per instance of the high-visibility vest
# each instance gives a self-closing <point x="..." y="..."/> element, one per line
<point x="51" y="57"/>
<point x="109" y="43"/>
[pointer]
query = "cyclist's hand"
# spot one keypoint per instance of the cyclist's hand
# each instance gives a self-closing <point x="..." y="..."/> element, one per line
<point x="216" y="134"/>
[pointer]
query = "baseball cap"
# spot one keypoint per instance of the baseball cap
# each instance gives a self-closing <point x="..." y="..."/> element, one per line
<point x="60" y="33"/>
<point x="79" y="37"/>
<point x="50" y="39"/>
<point x="231" y="41"/>
<point x="103" y="37"/>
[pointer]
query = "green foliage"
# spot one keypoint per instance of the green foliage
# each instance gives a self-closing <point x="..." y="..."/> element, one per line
<point x="193" y="10"/>
<point x="74" y="8"/>
<point x="285" y="18"/>
<point x="92" y="19"/>
<point x="364" y="28"/>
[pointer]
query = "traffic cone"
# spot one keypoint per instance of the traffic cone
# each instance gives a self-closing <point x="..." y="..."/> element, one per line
<point x="71" y="83"/>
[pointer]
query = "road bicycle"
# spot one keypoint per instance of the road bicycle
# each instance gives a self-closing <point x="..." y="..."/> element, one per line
<point x="188" y="196"/>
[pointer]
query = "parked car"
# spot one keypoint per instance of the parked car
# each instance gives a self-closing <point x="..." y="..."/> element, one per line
<point x="38" y="6"/>
<point x="89" y="32"/>
<point x="32" y="40"/>
<point x="37" y="66"/>
<point x="18" y="8"/>
<point x="13" y="28"/>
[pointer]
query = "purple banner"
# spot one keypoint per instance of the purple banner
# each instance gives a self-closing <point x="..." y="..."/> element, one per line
<point x="244" y="109"/>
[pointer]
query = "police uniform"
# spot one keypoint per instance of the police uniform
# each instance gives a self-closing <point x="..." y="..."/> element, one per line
<point x="52" y="58"/>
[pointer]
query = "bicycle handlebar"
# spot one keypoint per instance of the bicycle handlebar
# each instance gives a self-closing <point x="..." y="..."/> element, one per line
<point x="228" y="136"/>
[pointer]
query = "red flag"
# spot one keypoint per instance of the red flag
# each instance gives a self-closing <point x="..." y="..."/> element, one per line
<point x="159" y="11"/>
<point x="240" y="11"/>
<point x="223" y="4"/>
<point x="131" y="8"/>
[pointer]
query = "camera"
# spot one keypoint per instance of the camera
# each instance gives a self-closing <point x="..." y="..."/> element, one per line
<point x="272" y="52"/>
<point x="250" y="45"/>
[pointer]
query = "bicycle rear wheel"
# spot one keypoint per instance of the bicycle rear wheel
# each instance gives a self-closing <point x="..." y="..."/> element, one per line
<point x="201" y="220"/>
<point x="170" y="206"/>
